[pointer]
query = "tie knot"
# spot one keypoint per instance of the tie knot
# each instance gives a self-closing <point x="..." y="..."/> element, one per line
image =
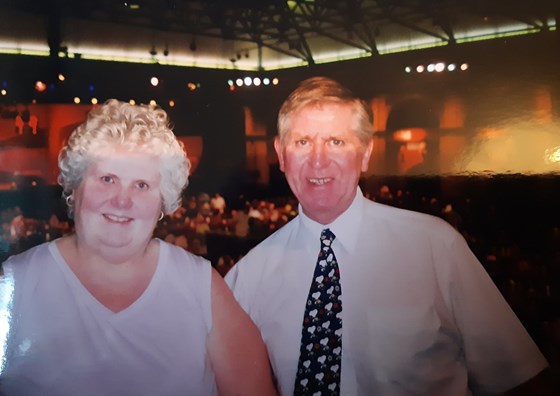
<point x="327" y="235"/>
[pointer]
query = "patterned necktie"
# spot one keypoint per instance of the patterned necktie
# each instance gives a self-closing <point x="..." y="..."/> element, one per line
<point x="318" y="370"/>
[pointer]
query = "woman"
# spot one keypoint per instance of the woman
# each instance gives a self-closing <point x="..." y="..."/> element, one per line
<point x="109" y="310"/>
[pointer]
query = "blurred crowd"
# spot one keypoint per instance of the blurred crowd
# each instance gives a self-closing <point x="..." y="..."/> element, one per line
<point x="522" y="259"/>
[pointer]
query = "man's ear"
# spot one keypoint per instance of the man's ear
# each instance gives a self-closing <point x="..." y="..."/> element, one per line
<point x="279" y="152"/>
<point x="367" y="155"/>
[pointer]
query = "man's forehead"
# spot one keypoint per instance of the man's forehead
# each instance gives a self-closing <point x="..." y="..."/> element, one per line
<point x="322" y="111"/>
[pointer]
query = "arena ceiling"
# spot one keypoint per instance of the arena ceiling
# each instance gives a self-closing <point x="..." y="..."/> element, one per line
<point x="258" y="34"/>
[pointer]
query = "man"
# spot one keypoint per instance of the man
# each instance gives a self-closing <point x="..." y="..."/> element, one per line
<point x="417" y="313"/>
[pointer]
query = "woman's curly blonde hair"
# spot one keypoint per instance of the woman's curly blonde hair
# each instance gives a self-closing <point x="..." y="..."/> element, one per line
<point x="117" y="124"/>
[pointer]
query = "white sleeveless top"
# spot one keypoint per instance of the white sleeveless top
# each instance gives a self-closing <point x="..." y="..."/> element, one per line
<point x="60" y="340"/>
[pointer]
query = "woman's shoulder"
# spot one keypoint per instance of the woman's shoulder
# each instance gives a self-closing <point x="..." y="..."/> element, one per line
<point x="30" y="257"/>
<point x="180" y="257"/>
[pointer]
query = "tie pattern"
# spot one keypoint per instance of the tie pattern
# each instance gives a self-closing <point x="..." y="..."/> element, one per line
<point x="319" y="365"/>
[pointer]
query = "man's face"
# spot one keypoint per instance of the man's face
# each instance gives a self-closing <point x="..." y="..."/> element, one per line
<point x="323" y="159"/>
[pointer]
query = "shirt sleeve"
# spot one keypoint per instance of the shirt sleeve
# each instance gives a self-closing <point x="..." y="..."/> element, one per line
<point x="498" y="351"/>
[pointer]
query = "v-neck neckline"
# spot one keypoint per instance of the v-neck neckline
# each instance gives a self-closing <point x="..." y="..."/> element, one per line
<point x="80" y="288"/>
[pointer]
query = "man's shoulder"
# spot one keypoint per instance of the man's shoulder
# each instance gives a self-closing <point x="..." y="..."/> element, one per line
<point x="278" y="240"/>
<point x="399" y="217"/>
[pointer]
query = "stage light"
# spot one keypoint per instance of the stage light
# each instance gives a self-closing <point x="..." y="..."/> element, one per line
<point x="77" y="100"/>
<point x="91" y="88"/>
<point x="419" y="68"/>
<point x="440" y="66"/>
<point x="171" y="103"/>
<point x="230" y="82"/>
<point x="94" y="101"/>
<point x="256" y="81"/>
<point x="132" y="102"/>
<point x="408" y="69"/>
<point x="464" y="66"/>
<point x="154" y="81"/>
<point x="3" y="92"/>
<point x="232" y="87"/>
<point x="266" y="81"/>
<point x="451" y="66"/>
<point x="248" y="81"/>
<point x="239" y="82"/>
<point x="191" y="86"/>
<point x="133" y="5"/>
<point x="275" y="81"/>
<point x="40" y="86"/>
<point x="431" y="67"/>
<point x="153" y="103"/>
<point x="61" y="77"/>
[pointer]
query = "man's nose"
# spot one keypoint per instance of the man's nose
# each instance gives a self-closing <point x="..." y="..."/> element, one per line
<point x="319" y="156"/>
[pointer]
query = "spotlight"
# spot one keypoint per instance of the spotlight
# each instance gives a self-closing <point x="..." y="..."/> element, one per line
<point x="3" y="92"/>
<point x="419" y="68"/>
<point x="256" y="81"/>
<point x="440" y="66"/>
<point x="275" y="81"/>
<point x="464" y="66"/>
<point x="153" y="103"/>
<point x="408" y="69"/>
<point x="40" y="86"/>
<point x="191" y="86"/>
<point x="132" y="102"/>
<point x="248" y="81"/>
<point x="154" y="81"/>
<point x="61" y="77"/>
<point x="431" y="67"/>
<point x="94" y="101"/>
<point x="77" y="100"/>
<point x="239" y="82"/>
<point x="451" y="66"/>
<point x="266" y="81"/>
<point x="171" y="103"/>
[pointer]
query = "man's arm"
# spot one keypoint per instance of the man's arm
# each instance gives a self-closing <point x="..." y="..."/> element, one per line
<point x="543" y="384"/>
<point x="235" y="347"/>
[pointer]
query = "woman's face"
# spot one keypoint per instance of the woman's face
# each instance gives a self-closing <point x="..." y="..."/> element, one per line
<point x="118" y="202"/>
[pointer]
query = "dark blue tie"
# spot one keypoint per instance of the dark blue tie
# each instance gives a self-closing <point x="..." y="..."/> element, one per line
<point x="319" y="365"/>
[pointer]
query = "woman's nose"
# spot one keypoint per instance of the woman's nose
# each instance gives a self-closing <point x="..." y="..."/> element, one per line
<point x="122" y="198"/>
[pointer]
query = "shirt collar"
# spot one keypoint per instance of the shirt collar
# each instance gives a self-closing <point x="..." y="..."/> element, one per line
<point x="346" y="226"/>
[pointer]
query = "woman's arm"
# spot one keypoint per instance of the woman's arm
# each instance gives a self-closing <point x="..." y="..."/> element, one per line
<point x="235" y="347"/>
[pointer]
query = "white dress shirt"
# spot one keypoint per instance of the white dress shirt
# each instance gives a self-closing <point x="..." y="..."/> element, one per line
<point x="420" y="314"/>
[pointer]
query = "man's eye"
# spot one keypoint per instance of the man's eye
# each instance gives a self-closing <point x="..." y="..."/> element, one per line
<point x="143" y="185"/>
<point x="337" y="142"/>
<point x="301" y="142"/>
<point x="106" y="179"/>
